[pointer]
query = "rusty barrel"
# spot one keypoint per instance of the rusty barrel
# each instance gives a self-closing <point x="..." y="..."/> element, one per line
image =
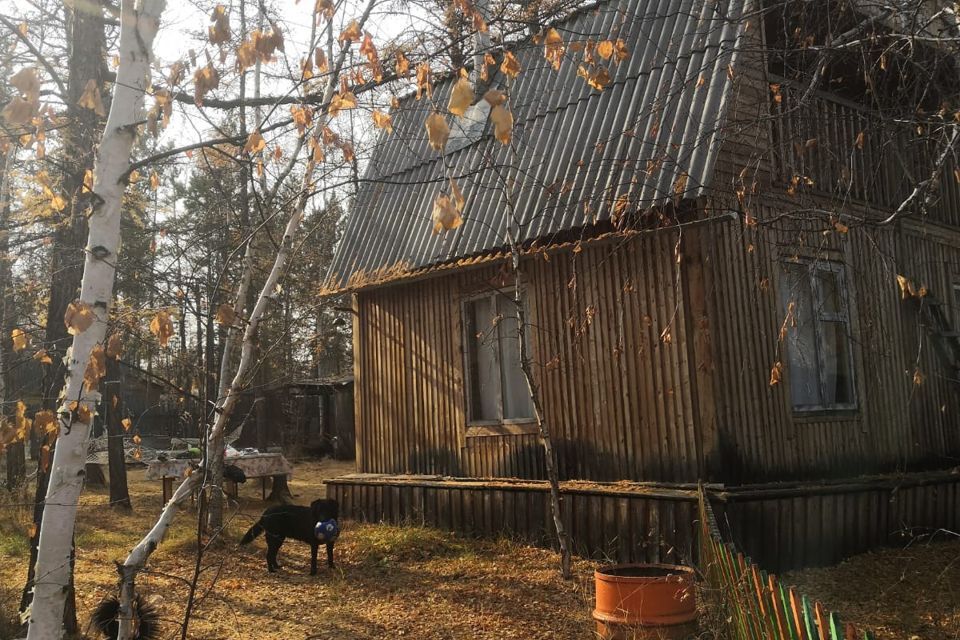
<point x="645" y="601"/>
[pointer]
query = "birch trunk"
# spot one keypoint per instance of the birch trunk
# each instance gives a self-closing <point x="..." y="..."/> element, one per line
<point x="138" y="26"/>
<point x="138" y="557"/>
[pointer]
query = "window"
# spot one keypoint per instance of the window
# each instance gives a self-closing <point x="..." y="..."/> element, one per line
<point x="819" y="361"/>
<point x="956" y="307"/>
<point x="497" y="390"/>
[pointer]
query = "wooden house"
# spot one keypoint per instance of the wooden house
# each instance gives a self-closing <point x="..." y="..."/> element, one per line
<point x="726" y="279"/>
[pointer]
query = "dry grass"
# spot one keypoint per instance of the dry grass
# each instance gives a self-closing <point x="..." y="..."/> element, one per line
<point x="390" y="581"/>
<point x="899" y="594"/>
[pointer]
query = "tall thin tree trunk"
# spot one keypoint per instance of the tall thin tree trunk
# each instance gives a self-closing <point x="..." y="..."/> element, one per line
<point x="16" y="465"/>
<point x="139" y="555"/>
<point x="138" y="25"/>
<point x="86" y="62"/>
<point x="119" y="492"/>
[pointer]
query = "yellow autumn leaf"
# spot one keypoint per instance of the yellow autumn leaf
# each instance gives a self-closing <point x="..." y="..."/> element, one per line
<point x="437" y="131"/>
<point x="495" y="97"/>
<point x="324" y="8"/>
<point x="445" y="215"/>
<point x="19" y="111"/>
<point x="219" y="31"/>
<point x="114" y="346"/>
<point x="604" y="49"/>
<point x="45" y="421"/>
<point x="423" y="81"/>
<point x="320" y="60"/>
<point x="96" y="368"/>
<point x="351" y="33"/>
<point x="225" y="315"/>
<point x="27" y="83"/>
<point x="776" y="373"/>
<point x="599" y="79"/>
<point x="341" y="102"/>
<point x="162" y="327"/>
<point x="553" y="48"/>
<point x="19" y="339"/>
<point x="154" y="181"/>
<point x="402" y="65"/>
<point x="78" y="317"/>
<point x="510" y="65"/>
<point x="42" y="357"/>
<point x="91" y="98"/>
<point x="127" y="423"/>
<point x="461" y="97"/>
<point x="205" y="80"/>
<point x="88" y="180"/>
<point x="620" y="51"/>
<point x="918" y="377"/>
<point x="255" y="143"/>
<point x="383" y="121"/>
<point x="502" y="124"/>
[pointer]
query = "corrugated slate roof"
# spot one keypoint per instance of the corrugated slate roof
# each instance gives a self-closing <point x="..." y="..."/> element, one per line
<point x="576" y="151"/>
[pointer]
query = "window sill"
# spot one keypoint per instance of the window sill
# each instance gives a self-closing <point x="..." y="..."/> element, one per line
<point x="826" y="415"/>
<point x="519" y="428"/>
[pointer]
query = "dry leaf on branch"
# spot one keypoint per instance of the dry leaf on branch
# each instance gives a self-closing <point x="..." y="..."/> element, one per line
<point x="205" y="80"/>
<point x="351" y="33"/>
<point x="43" y="357"/>
<point x="437" y="131"/>
<point x="78" y="317"/>
<point x="461" y="97"/>
<point x="383" y="121"/>
<point x="255" y="143"/>
<point x="553" y="48"/>
<point x="162" y="327"/>
<point x="219" y="32"/>
<point x="423" y="81"/>
<point x="510" y="65"/>
<point x="502" y="124"/>
<point x="96" y="368"/>
<point x="114" y="346"/>
<point x="445" y="215"/>
<point x="91" y="98"/>
<point x="776" y="373"/>
<point x="19" y="339"/>
<point x="225" y="315"/>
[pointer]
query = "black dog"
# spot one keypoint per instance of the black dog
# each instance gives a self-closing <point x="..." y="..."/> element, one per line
<point x="290" y="521"/>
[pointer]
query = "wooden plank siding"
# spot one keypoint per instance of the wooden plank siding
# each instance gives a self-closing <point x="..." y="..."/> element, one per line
<point x="779" y="526"/>
<point x="612" y="356"/>
<point x="643" y="381"/>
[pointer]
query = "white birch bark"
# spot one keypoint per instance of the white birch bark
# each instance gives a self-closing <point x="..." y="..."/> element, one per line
<point x="138" y="26"/>
<point x="138" y="557"/>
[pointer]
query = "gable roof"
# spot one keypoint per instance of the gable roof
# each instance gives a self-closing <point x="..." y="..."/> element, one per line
<point x="651" y="133"/>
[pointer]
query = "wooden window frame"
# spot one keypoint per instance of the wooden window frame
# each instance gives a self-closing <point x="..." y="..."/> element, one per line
<point x="498" y="426"/>
<point x="842" y="316"/>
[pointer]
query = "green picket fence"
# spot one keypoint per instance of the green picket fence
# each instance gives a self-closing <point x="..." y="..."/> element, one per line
<point x="753" y="604"/>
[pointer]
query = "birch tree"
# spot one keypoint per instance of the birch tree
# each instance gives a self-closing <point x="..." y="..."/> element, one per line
<point x="87" y="318"/>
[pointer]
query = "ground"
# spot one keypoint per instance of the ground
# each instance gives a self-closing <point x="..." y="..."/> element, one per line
<point x="899" y="594"/>
<point x="414" y="582"/>
<point x="390" y="581"/>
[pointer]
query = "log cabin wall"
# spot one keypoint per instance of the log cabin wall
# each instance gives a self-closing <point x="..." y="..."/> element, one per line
<point x="654" y="369"/>
<point x="609" y="333"/>
<point x="774" y="172"/>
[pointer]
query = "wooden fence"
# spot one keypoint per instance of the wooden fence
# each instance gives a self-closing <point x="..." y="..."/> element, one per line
<point x="754" y="604"/>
